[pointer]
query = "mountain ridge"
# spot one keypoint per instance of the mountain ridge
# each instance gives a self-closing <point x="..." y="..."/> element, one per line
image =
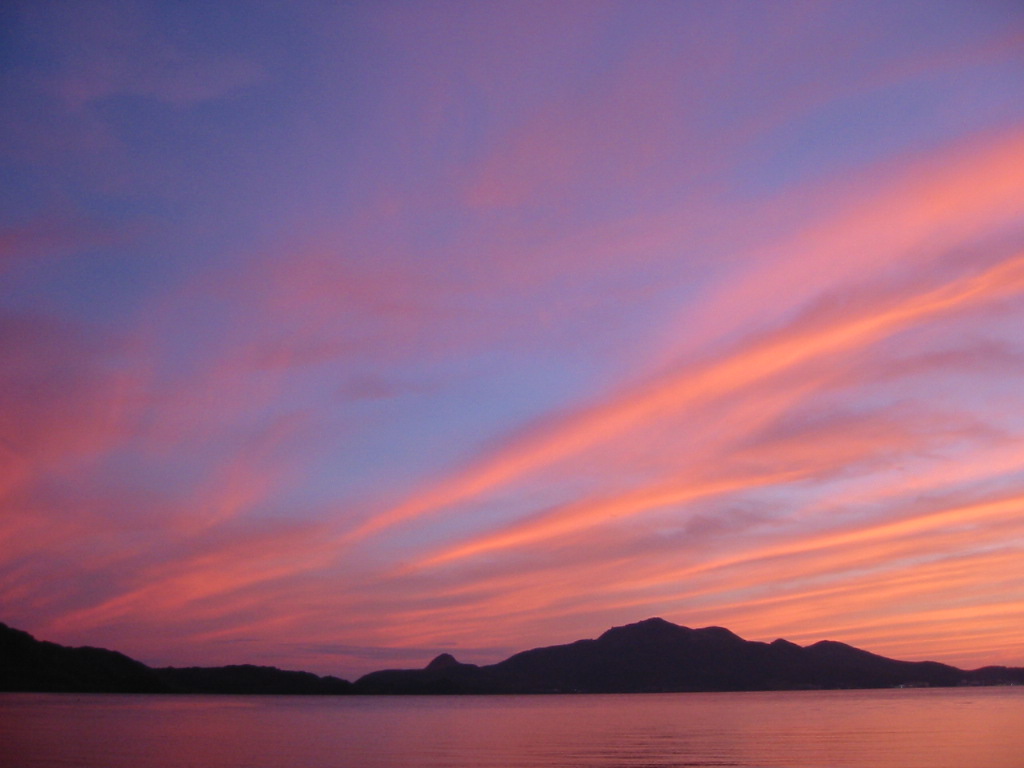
<point x="653" y="655"/>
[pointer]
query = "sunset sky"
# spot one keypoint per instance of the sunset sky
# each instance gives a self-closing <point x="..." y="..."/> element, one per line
<point x="337" y="335"/>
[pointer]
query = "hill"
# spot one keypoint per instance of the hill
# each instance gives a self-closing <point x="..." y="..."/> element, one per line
<point x="649" y="656"/>
<point x="27" y="664"/>
<point x="658" y="656"/>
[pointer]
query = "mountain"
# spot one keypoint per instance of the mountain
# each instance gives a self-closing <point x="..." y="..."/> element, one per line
<point x="248" y="680"/>
<point x="649" y="656"/>
<point x="27" y="664"/>
<point x="656" y="655"/>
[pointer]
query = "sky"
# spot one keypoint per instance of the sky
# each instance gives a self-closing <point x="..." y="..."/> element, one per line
<point x="334" y="336"/>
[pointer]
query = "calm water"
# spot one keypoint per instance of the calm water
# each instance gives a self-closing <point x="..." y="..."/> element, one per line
<point x="952" y="728"/>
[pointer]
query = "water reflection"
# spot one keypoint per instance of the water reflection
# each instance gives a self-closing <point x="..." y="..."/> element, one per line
<point x="948" y="728"/>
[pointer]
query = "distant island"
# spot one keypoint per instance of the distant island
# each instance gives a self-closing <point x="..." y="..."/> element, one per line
<point x="649" y="656"/>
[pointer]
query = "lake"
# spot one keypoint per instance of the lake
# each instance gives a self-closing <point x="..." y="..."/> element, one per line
<point x="910" y="728"/>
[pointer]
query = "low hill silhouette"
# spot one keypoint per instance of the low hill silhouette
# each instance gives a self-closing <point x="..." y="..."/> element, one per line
<point x="649" y="656"/>
<point x="251" y="680"/>
<point x="27" y="664"/>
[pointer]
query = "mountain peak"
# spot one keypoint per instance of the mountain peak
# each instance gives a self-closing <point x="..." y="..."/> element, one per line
<point x="443" y="661"/>
<point x="652" y="628"/>
<point x="783" y="643"/>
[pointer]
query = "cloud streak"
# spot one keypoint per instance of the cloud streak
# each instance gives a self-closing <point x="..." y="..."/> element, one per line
<point x="811" y="339"/>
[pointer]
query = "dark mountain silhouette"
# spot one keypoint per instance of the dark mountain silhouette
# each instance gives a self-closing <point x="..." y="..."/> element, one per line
<point x="656" y="655"/>
<point x="442" y="675"/>
<point x="649" y="656"/>
<point x="248" y="679"/>
<point x="27" y="664"/>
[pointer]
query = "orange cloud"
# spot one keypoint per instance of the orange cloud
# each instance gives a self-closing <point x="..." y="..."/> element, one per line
<point x="803" y="343"/>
